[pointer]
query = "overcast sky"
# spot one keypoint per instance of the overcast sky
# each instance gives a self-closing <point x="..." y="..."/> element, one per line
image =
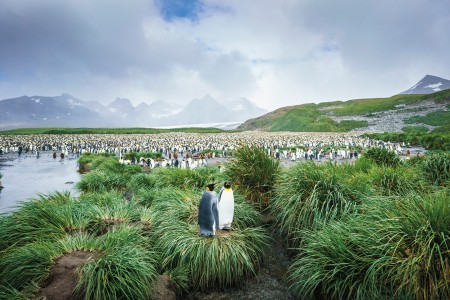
<point x="273" y="52"/>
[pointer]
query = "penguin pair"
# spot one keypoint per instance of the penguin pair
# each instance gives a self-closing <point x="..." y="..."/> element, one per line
<point x="215" y="211"/>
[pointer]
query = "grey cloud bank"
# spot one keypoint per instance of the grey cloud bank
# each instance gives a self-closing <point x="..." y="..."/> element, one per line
<point x="275" y="53"/>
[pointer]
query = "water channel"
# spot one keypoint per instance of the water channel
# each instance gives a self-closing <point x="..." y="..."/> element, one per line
<point x="26" y="176"/>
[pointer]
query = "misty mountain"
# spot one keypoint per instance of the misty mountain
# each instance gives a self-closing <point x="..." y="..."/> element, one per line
<point x="428" y="85"/>
<point x="39" y="111"/>
<point x="210" y="110"/>
<point x="68" y="111"/>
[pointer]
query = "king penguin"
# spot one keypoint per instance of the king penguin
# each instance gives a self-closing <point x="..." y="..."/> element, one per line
<point x="225" y="206"/>
<point x="208" y="216"/>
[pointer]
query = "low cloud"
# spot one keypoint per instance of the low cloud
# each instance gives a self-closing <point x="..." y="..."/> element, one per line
<point x="274" y="53"/>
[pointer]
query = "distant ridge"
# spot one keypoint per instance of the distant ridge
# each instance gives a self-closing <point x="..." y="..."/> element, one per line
<point x="428" y="85"/>
<point x="67" y="111"/>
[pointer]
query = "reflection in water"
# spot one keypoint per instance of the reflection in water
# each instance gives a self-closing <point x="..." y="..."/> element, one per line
<point x="26" y="176"/>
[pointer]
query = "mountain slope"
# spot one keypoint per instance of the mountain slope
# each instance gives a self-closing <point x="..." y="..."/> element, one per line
<point x="373" y="115"/>
<point x="428" y="85"/>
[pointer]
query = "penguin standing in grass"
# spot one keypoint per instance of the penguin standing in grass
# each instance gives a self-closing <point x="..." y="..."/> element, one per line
<point x="225" y="206"/>
<point x="208" y="216"/>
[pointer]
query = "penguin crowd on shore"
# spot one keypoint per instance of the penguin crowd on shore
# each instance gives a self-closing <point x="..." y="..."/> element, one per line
<point x="187" y="144"/>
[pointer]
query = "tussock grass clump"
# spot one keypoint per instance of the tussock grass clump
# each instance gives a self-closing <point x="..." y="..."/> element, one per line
<point x="362" y="164"/>
<point x="382" y="157"/>
<point x="213" y="263"/>
<point x="253" y="174"/>
<point x="180" y="278"/>
<point x="396" y="181"/>
<point x="113" y="166"/>
<point x="48" y="217"/>
<point x="397" y="248"/>
<point x="309" y="195"/>
<point x="26" y="265"/>
<point x="126" y="270"/>
<point x="138" y="155"/>
<point x="245" y="213"/>
<point x="141" y="181"/>
<point x="217" y="262"/>
<point x="436" y="168"/>
<point x="101" y="181"/>
<point x="101" y="198"/>
<point x="104" y="218"/>
<point x="89" y="158"/>
<point x="175" y="204"/>
<point x="122" y="266"/>
<point x="145" y="197"/>
<point x="186" y="178"/>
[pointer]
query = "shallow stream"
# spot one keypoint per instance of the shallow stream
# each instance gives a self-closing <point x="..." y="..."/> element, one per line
<point x="26" y="176"/>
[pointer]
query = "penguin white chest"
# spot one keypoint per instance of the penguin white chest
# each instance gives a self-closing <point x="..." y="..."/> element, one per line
<point x="226" y="209"/>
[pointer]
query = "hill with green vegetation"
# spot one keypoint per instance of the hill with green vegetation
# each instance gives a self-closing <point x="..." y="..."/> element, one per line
<point x="360" y="114"/>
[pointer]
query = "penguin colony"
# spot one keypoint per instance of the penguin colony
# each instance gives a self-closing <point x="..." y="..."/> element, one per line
<point x="184" y="143"/>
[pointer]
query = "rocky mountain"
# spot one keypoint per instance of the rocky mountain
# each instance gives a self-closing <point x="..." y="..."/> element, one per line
<point x="68" y="111"/>
<point x="428" y="85"/>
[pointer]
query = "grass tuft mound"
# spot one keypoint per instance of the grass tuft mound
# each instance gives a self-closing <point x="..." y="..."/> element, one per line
<point x="253" y="174"/>
<point x="396" y="248"/>
<point x="309" y="195"/>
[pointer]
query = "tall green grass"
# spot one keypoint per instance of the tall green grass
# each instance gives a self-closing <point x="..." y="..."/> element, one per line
<point x="186" y="178"/>
<point x="395" y="248"/>
<point x="213" y="263"/>
<point x="436" y="168"/>
<point x="48" y="217"/>
<point x="253" y="174"/>
<point x="309" y="195"/>
<point x="104" y="218"/>
<point x="396" y="181"/>
<point x="382" y="157"/>
<point x="126" y="270"/>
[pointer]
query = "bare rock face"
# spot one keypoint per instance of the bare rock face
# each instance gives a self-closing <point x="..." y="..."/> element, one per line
<point x="393" y="120"/>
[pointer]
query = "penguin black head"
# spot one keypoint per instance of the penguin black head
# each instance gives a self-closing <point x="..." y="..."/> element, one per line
<point x="227" y="184"/>
<point x="210" y="187"/>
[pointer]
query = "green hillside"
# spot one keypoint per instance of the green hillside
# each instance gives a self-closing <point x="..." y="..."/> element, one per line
<point x="315" y="117"/>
